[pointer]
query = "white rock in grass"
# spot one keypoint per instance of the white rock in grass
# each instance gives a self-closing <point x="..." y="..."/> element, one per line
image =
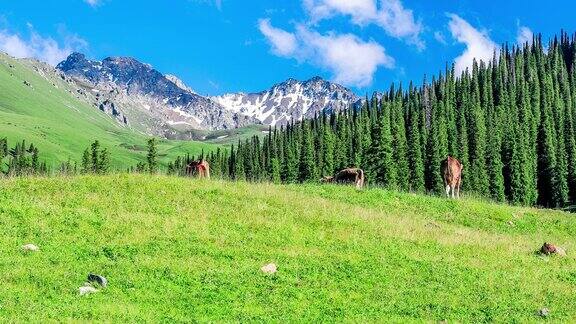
<point x="30" y="248"/>
<point x="87" y="290"/>
<point x="269" y="268"/>
<point x="544" y="312"/>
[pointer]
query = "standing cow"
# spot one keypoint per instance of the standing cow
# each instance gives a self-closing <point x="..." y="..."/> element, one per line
<point x="452" y="173"/>
<point x="200" y="167"/>
<point x="349" y="175"/>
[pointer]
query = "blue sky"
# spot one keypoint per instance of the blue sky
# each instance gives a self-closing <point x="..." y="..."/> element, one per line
<point x="219" y="46"/>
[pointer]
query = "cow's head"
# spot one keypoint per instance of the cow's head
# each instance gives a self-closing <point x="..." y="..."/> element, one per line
<point x="194" y="164"/>
<point x="327" y="179"/>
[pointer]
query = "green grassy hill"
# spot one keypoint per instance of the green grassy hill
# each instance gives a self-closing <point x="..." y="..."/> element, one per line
<point x="176" y="249"/>
<point x="48" y="115"/>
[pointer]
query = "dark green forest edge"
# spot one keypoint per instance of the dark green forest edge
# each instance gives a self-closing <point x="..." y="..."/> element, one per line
<point x="509" y="121"/>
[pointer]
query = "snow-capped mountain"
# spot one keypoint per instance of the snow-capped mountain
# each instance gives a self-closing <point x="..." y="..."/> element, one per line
<point x="139" y="96"/>
<point x="290" y="100"/>
<point x="152" y="102"/>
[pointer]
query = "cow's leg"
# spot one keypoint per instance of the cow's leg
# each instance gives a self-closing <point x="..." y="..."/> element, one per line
<point x="458" y="189"/>
<point x="448" y="190"/>
<point x="453" y="187"/>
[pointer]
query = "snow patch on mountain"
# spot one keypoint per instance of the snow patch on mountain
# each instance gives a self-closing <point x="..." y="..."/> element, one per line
<point x="179" y="83"/>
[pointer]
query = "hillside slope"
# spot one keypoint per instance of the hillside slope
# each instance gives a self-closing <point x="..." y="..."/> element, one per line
<point x="42" y="108"/>
<point x="176" y="249"/>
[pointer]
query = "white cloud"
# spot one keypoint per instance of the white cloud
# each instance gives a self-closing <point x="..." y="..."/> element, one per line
<point x="351" y="60"/>
<point x="439" y="36"/>
<point x="524" y="36"/>
<point x="391" y="15"/>
<point x="43" y="48"/>
<point x="478" y="43"/>
<point x="93" y="3"/>
<point x="283" y="43"/>
<point x="215" y="3"/>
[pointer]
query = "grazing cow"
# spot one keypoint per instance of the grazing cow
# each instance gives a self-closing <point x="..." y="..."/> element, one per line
<point x="200" y="167"/>
<point x="452" y="173"/>
<point x="548" y="249"/>
<point x="349" y="175"/>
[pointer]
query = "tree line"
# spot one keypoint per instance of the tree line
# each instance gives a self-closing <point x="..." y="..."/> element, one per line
<point x="510" y="122"/>
<point x="21" y="159"/>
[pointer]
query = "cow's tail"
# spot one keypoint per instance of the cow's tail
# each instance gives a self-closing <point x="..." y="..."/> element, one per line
<point x="448" y="175"/>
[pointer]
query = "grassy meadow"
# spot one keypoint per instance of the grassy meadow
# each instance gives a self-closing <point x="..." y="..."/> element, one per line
<point x="179" y="250"/>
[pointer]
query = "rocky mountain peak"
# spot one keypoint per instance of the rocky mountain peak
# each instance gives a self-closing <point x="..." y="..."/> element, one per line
<point x="179" y="83"/>
<point x="291" y="100"/>
<point x="149" y="95"/>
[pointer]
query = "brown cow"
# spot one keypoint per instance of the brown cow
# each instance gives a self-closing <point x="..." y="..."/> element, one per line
<point x="200" y="167"/>
<point x="349" y="175"/>
<point x="452" y="173"/>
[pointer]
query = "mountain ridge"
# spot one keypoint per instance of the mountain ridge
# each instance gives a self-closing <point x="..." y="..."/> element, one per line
<point x="147" y="96"/>
<point x="162" y="104"/>
<point x="291" y="100"/>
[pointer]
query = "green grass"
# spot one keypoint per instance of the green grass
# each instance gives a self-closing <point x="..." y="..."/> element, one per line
<point x="177" y="249"/>
<point x="232" y="136"/>
<point x="62" y="126"/>
<point x="228" y="136"/>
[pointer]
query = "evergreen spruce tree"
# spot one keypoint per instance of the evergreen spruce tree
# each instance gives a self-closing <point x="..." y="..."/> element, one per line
<point x="383" y="168"/>
<point x="477" y="138"/>
<point x="494" y="163"/>
<point x="239" y="172"/>
<point x="104" y="161"/>
<point x="95" y="156"/>
<point x="415" y="160"/>
<point x="462" y="127"/>
<point x="548" y="181"/>
<point x="86" y="162"/>
<point x="399" y="144"/>
<point x="433" y="177"/>
<point x="307" y="171"/>
<point x="151" y="157"/>
<point x="327" y="151"/>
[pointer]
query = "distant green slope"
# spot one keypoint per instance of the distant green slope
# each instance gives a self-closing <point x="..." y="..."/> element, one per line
<point x="49" y="116"/>
<point x="231" y="136"/>
<point x="183" y="250"/>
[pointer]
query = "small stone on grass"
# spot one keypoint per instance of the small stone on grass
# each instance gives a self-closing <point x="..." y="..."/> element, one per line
<point x="269" y="268"/>
<point x="98" y="279"/>
<point x="30" y="248"/>
<point x="544" y="312"/>
<point x="87" y="290"/>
